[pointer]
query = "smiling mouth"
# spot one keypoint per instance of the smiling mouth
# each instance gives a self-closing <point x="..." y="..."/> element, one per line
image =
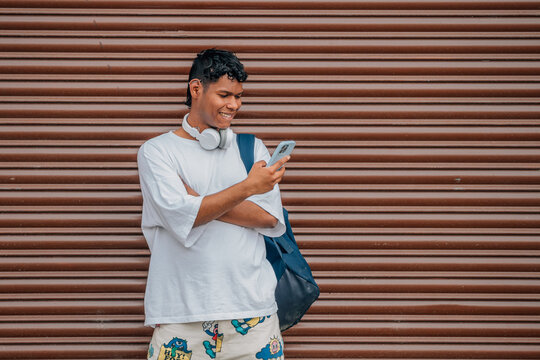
<point x="226" y="116"/>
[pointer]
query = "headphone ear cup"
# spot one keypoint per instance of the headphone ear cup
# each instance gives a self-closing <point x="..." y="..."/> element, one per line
<point x="209" y="139"/>
<point x="226" y="138"/>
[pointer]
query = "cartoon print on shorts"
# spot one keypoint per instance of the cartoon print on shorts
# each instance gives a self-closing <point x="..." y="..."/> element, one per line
<point x="150" y="352"/>
<point x="243" y="326"/>
<point x="176" y="349"/>
<point x="211" y="328"/>
<point x="272" y="350"/>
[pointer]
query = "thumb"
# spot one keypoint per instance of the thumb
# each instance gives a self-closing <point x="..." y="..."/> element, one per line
<point x="260" y="163"/>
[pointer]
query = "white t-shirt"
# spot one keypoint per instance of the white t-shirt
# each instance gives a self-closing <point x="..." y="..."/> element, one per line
<point x="214" y="271"/>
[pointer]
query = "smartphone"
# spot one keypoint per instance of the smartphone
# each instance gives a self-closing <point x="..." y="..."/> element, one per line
<point x="283" y="149"/>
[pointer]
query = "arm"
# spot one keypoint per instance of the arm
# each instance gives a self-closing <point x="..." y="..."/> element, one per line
<point x="246" y="213"/>
<point x="260" y="179"/>
<point x="249" y="214"/>
<point x="166" y="202"/>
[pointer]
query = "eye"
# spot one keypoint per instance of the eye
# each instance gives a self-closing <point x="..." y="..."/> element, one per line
<point x="223" y="96"/>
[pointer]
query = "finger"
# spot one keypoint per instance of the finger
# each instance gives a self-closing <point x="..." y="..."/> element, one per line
<point x="280" y="162"/>
<point x="260" y="163"/>
<point x="257" y="165"/>
<point x="277" y="181"/>
<point x="280" y="172"/>
<point x="279" y="175"/>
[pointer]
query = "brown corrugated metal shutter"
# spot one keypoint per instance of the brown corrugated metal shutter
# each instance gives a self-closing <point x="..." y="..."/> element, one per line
<point x="414" y="190"/>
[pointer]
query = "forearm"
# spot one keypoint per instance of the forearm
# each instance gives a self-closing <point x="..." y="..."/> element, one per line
<point x="260" y="179"/>
<point x="216" y="205"/>
<point x="246" y="214"/>
<point x="249" y="214"/>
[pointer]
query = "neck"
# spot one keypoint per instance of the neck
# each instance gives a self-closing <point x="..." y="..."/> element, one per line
<point x="195" y="121"/>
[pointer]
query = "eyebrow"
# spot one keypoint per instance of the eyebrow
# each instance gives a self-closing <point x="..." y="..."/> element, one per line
<point x="228" y="92"/>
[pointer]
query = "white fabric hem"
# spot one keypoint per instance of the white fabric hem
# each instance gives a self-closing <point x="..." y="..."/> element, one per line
<point x="152" y="321"/>
<point x="188" y="240"/>
<point x="279" y="229"/>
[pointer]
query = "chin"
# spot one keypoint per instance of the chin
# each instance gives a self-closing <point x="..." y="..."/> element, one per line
<point x="222" y="125"/>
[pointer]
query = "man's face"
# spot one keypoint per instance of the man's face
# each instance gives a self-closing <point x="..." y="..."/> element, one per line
<point x="220" y="102"/>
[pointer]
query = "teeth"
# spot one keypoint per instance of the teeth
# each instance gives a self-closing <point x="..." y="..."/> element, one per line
<point x="226" y="115"/>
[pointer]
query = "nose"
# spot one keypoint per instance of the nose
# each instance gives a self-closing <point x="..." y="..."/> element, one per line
<point x="234" y="103"/>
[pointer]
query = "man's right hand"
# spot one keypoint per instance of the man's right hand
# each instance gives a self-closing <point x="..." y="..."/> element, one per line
<point x="262" y="179"/>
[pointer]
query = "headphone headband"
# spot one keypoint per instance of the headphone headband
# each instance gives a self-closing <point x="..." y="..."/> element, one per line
<point x="190" y="129"/>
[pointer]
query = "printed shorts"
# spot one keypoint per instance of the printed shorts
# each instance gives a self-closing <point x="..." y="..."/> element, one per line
<point x="240" y="339"/>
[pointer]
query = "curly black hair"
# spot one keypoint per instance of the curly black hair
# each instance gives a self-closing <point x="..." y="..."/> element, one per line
<point x="211" y="64"/>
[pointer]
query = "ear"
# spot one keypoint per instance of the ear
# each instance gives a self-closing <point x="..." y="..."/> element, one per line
<point x="195" y="88"/>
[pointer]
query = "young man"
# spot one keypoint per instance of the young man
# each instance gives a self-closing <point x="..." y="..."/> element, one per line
<point x="210" y="289"/>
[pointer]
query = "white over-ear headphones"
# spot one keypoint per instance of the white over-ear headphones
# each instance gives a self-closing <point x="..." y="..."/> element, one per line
<point x="210" y="138"/>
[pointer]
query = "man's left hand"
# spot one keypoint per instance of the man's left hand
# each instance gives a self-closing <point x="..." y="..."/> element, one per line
<point x="189" y="190"/>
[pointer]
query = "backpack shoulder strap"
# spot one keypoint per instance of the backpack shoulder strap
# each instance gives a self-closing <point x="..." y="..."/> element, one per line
<point x="246" y="145"/>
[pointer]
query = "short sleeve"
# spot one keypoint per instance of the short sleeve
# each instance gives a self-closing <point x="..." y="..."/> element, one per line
<point x="174" y="209"/>
<point x="270" y="201"/>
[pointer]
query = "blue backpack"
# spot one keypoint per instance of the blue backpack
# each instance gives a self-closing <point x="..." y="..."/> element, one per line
<point x="296" y="289"/>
